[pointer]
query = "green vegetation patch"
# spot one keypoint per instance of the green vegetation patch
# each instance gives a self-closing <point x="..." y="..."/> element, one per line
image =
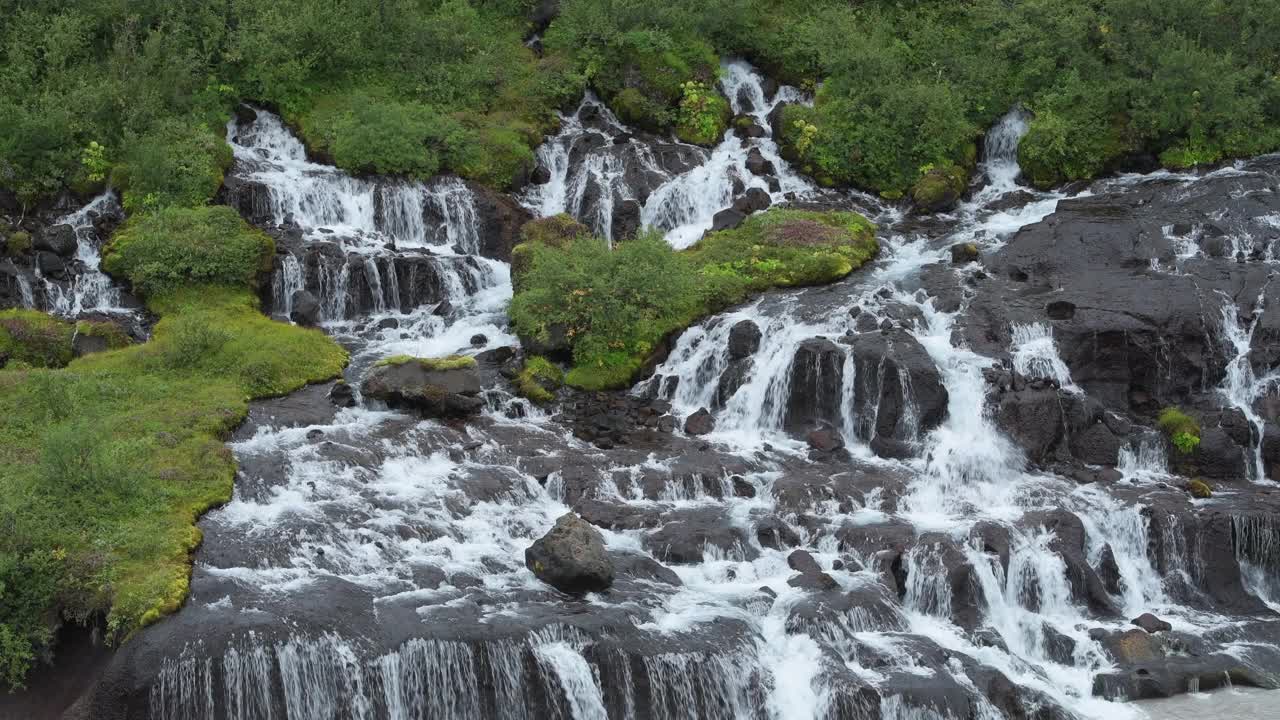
<point x="17" y="243"/>
<point x="448" y="362"/>
<point x="105" y="465"/>
<point x="1183" y="431"/>
<point x="180" y="161"/>
<point x="177" y="247"/>
<point x="34" y="339"/>
<point x="539" y="379"/>
<point x="610" y="309"/>
<point x="1199" y="489"/>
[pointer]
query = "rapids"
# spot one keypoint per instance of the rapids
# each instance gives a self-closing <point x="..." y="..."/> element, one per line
<point x="371" y="564"/>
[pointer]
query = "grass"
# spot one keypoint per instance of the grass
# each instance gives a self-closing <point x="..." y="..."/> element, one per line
<point x="106" y="464"/>
<point x="449" y="362"/>
<point x="34" y="339"/>
<point x="613" y="308"/>
<point x="539" y="379"/>
<point x="1183" y="431"/>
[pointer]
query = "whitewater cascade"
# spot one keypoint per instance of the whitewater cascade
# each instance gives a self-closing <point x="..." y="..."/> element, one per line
<point x="864" y="534"/>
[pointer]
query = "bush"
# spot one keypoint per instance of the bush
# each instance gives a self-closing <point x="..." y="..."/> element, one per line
<point x="179" y="162"/>
<point x="34" y="338"/>
<point x="612" y="308"/>
<point x="365" y="133"/>
<point x="1183" y="431"/>
<point x="539" y="379"/>
<point x="703" y="116"/>
<point x="18" y="243"/>
<point x="178" y="247"/>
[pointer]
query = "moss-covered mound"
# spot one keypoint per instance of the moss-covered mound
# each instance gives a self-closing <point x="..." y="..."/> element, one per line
<point x="440" y="364"/>
<point x="608" y="310"/>
<point x="539" y="380"/>
<point x="33" y="339"/>
<point x="105" y="465"/>
<point x="178" y="247"/>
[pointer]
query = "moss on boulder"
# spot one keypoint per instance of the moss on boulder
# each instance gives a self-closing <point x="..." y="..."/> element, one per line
<point x="539" y="380"/>
<point x="17" y="243"/>
<point x="1199" y="489"/>
<point x="611" y="309"/>
<point x="939" y="188"/>
<point x="34" y="339"/>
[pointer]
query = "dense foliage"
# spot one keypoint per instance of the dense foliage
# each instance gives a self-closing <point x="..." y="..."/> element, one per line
<point x="91" y="91"/>
<point x="178" y="247"/>
<point x="611" y="308"/>
<point x="106" y="464"/>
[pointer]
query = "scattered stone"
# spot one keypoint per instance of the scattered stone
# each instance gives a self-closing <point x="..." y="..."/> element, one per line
<point x="306" y="308"/>
<point x="571" y="557"/>
<point x="753" y="200"/>
<point x="727" y="219"/>
<point x="700" y="422"/>
<point x="742" y="488"/>
<point x="57" y="239"/>
<point x="824" y="439"/>
<point x="1151" y="623"/>
<point x="964" y="253"/>
<point x="757" y="164"/>
<point x="342" y="395"/>
<point x="479" y="340"/>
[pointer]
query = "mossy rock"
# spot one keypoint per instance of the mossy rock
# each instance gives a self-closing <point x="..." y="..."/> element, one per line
<point x="939" y="189"/>
<point x="98" y="336"/>
<point x="539" y="380"/>
<point x="704" y="122"/>
<point x="440" y="364"/>
<point x="1183" y="431"/>
<point x="1199" y="489"/>
<point x="18" y="243"/>
<point x="34" y="339"/>
<point x="612" y="309"/>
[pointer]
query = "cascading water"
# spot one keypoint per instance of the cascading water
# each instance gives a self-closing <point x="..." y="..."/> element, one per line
<point x="371" y="565"/>
<point x="90" y="290"/>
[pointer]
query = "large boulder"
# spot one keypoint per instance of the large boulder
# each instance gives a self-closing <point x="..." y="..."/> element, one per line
<point x="499" y="218"/>
<point x="57" y="239"/>
<point x="433" y="387"/>
<point x="898" y="392"/>
<point x="817" y="381"/>
<point x="306" y="308"/>
<point x="571" y="557"/>
<point x="744" y="339"/>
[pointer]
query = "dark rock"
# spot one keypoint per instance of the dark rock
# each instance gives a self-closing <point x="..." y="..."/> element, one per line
<point x="1151" y="623"/>
<point x="894" y="373"/>
<point x="753" y="200"/>
<point x="642" y="567"/>
<point x="499" y="218"/>
<point x="571" y="557"/>
<point x="817" y="372"/>
<point x="962" y="253"/>
<point x="57" y="239"/>
<point x="824" y="439"/>
<point x="744" y="339"/>
<point x="1109" y="571"/>
<point x="700" y="423"/>
<point x="479" y="340"/>
<point x="1096" y="445"/>
<point x="540" y="175"/>
<point x="727" y="219"/>
<point x="742" y="488"/>
<point x="342" y="395"/>
<point x="776" y="534"/>
<point x="306" y="308"/>
<point x="757" y="164"/>
<point x="50" y="264"/>
<point x="687" y="535"/>
<point x="802" y="562"/>
<point x="1033" y="420"/>
<point x="626" y="219"/>
<point x="431" y="393"/>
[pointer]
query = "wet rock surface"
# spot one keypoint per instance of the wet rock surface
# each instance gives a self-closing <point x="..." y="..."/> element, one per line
<point x="936" y="488"/>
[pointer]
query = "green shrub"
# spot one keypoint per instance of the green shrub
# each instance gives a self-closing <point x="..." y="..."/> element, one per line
<point x="367" y="133"/>
<point x="1183" y="431"/>
<point x="18" y="243"/>
<point x="176" y="247"/>
<point x="179" y="162"/>
<point x="34" y="338"/>
<point x="703" y="116"/>
<point x="614" y="307"/>
<point x="539" y="379"/>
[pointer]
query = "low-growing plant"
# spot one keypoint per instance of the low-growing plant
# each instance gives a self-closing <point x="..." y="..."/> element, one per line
<point x="1182" y="429"/>
<point x="178" y="247"/>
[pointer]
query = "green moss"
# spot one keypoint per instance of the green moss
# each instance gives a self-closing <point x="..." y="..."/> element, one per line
<point x="554" y="231"/>
<point x="703" y="116"/>
<point x="939" y="188"/>
<point x="448" y="362"/>
<point x="18" y="243"/>
<point x="1183" y="431"/>
<point x="109" y="462"/>
<point x="616" y="307"/>
<point x="113" y="334"/>
<point x="1199" y="489"/>
<point x="34" y="339"/>
<point x="176" y="247"/>
<point x="539" y="379"/>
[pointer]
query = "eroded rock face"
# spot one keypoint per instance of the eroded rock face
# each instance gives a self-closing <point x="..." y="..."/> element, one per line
<point x="571" y="557"/>
<point x="431" y="393"/>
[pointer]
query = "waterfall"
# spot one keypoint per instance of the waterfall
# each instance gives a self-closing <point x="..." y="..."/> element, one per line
<point x="90" y="289"/>
<point x="1000" y="149"/>
<point x="286" y="281"/>
<point x="1240" y="387"/>
<point x="1035" y="355"/>
<point x="25" y="291"/>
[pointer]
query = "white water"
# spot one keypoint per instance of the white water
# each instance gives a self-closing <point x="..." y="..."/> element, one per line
<point x="1241" y="387"/>
<point x="382" y="497"/>
<point x="90" y="290"/>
